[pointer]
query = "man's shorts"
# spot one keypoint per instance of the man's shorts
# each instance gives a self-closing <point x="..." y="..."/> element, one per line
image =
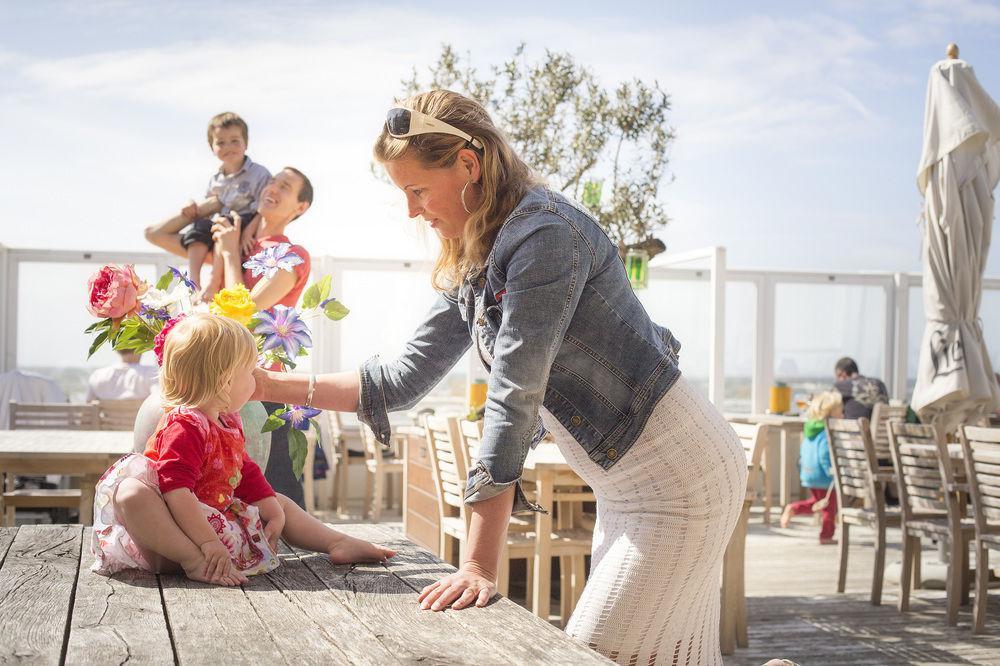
<point x="200" y="231"/>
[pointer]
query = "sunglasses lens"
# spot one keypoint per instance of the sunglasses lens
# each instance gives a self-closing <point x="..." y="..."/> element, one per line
<point x="398" y="121"/>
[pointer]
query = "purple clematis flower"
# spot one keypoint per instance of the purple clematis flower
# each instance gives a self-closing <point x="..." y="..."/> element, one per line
<point x="153" y="313"/>
<point x="281" y="327"/>
<point x="268" y="261"/>
<point x="299" y="415"/>
<point x="183" y="277"/>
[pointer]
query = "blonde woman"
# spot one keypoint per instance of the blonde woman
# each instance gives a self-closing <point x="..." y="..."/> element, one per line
<point x="530" y="280"/>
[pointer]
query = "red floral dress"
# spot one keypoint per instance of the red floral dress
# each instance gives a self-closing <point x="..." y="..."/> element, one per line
<point x="190" y="451"/>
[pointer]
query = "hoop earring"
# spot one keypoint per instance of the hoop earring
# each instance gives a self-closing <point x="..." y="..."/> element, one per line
<point x="462" y="196"/>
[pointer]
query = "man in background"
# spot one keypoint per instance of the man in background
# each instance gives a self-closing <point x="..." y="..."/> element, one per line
<point x="860" y="393"/>
<point x="122" y="381"/>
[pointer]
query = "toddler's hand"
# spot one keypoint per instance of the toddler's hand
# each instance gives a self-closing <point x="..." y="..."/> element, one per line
<point x="273" y="529"/>
<point x="218" y="563"/>
<point x="247" y="244"/>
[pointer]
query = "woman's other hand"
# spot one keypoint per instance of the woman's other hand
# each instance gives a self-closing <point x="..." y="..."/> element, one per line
<point x="470" y="584"/>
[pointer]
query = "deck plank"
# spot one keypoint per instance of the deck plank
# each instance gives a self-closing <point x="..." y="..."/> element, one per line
<point x="504" y="623"/>
<point x="306" y="621"/>
<point x="36" y="591"/>
<point x="118" y="618"/>
<point x="6" y="538"/>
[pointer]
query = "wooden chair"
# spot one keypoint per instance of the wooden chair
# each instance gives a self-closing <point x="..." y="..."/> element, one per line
<point x="981" y="448"/>
<point x="929" y="502"/>
<point x="117" y="414"/>
<point x="882" y="415"/>
<point x="339" y="459"/>
<point x="37" y="416"/>
<point x="858" y="479"/>
<point x="450" y="471"/>
<point x="384" y="466"/>
<point x="733" y="618"/>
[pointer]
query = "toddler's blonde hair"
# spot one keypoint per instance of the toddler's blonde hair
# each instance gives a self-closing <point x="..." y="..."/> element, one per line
<point x="823" y="404"/>
<point x="200" y="356"/>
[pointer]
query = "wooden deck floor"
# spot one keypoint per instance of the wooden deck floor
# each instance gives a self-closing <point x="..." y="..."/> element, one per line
<point x="796" y="614"/>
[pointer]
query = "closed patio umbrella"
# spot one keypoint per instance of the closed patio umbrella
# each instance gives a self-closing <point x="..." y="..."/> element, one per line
<point x="959" y="169"/>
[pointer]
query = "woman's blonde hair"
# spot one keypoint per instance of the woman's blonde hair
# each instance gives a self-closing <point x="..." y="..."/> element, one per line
<point x="200" y="355"/>
<point x="823" y="404"/>
<point x="504" y="176"/>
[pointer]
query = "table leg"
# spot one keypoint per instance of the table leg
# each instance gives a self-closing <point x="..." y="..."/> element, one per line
<point x="768" y="466"/>
<point x="87" y="486"/>
<point x="543" y="546"/>
<point x="788" y="466"/>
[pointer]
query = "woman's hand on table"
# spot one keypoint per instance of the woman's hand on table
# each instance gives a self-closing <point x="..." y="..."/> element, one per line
<point x="470" y="584"/>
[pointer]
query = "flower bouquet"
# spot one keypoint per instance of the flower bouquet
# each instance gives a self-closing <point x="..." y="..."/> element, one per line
<point x="137" y="317"/>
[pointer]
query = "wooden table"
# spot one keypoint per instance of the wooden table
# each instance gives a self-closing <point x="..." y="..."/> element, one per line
<point x="790" y="432"/>
<point x="84" y="453"/>
<point x="53" y="610"/>
<point x="547" y="467"/>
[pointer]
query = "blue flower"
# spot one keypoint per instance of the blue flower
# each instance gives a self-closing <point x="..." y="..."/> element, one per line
<point x="154" y="313"/>
<point x="268" y="261"/>
<point x="281" y="327"/>
<point x="183" y="277"/>
<point x="299" y="415"/>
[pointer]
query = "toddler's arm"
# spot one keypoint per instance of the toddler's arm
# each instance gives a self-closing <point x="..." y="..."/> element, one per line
<point x="187" y="514"/>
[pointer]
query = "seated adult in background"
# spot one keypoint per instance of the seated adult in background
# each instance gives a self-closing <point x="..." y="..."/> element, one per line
<point x="122" y="381"/>
<point x="860" y="393"/>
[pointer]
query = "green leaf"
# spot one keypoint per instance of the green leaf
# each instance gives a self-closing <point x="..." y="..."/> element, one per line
<point x="165" y="280"/>
<point x="273" y="422"/>
<point x="97" y="326"/>
<point x="335" y="310"/>
<point x="303" y="351"/>
<point x="298" y="447"/>
<point x="98" y="341"/>
<point x="316" y="292"/>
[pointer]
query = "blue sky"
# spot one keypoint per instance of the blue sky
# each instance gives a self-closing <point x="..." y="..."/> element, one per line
<point x="798" y="124"/>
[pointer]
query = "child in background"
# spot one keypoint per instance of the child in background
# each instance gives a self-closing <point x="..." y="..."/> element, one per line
<point x="234" y="191"/>
<point x="195" y="501"/>
<point x="815" y="467"/>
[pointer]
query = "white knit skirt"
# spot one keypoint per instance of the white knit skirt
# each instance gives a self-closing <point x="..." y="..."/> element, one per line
<point x="665" y="512"/>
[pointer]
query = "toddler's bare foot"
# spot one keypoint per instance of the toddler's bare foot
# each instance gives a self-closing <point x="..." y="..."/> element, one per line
<point x="786" y="516"/>
<point x="347" y="549"/>
<point x="195" y="570"/>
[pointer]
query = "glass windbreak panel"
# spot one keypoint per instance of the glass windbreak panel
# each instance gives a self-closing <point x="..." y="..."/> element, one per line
<point x="51" y="316"/>
<point x="741" y="319"/>
<point x="683" y="307"/>
<point x="387" y="306"/>
<point x="816" y="324"/>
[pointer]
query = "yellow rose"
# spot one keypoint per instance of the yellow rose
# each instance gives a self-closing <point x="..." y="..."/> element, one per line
<point x="235" y="303"/>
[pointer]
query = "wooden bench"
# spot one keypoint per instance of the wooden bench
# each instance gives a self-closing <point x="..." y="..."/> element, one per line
<point x="53" y="610"/>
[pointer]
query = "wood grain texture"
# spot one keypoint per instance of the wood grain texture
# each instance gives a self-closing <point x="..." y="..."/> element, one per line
<point x="117" y="618"/>
<point x="36" y="590"/>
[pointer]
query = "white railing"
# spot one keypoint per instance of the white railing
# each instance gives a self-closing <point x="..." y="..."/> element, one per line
<point x="387" y="298"/>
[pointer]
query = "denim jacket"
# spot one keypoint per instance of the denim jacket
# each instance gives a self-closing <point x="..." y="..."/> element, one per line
<point x="555" y="320"/>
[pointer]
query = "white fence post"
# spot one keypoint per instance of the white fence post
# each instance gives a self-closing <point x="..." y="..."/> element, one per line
<point x="717" y="329"/>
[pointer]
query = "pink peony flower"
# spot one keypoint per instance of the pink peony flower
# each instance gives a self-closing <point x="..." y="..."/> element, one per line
<point x="115" y="292"/>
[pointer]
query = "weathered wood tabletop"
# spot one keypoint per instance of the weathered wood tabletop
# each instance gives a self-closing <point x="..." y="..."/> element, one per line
<point x="53" y="609"/>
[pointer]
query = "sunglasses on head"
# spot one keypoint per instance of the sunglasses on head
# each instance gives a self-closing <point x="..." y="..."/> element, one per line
<point x="401" y="123"/>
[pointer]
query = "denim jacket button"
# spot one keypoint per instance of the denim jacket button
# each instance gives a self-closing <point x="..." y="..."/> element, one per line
<point x="612" y="453"/>
<point x="482" y="282"/>
<point x="481" y="321"/>
<point x="575" y="421"/>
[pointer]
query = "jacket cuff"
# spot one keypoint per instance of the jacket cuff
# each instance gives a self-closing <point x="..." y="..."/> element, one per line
<point x="371" y="401"/>
<point x="481" y="486"/>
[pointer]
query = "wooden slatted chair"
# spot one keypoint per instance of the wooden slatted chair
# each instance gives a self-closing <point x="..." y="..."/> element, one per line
<point x="928" y="499"/>
<point x="981" y="447"/>
<point x="882" y="415"/>
<point x="384" y="466"/>
<point x="118" y="414"/>
<point x="859" y="481"/>
<point x="733" y="620"/>
<point x="35" y="416"/>
<point x="450" y="471"/>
